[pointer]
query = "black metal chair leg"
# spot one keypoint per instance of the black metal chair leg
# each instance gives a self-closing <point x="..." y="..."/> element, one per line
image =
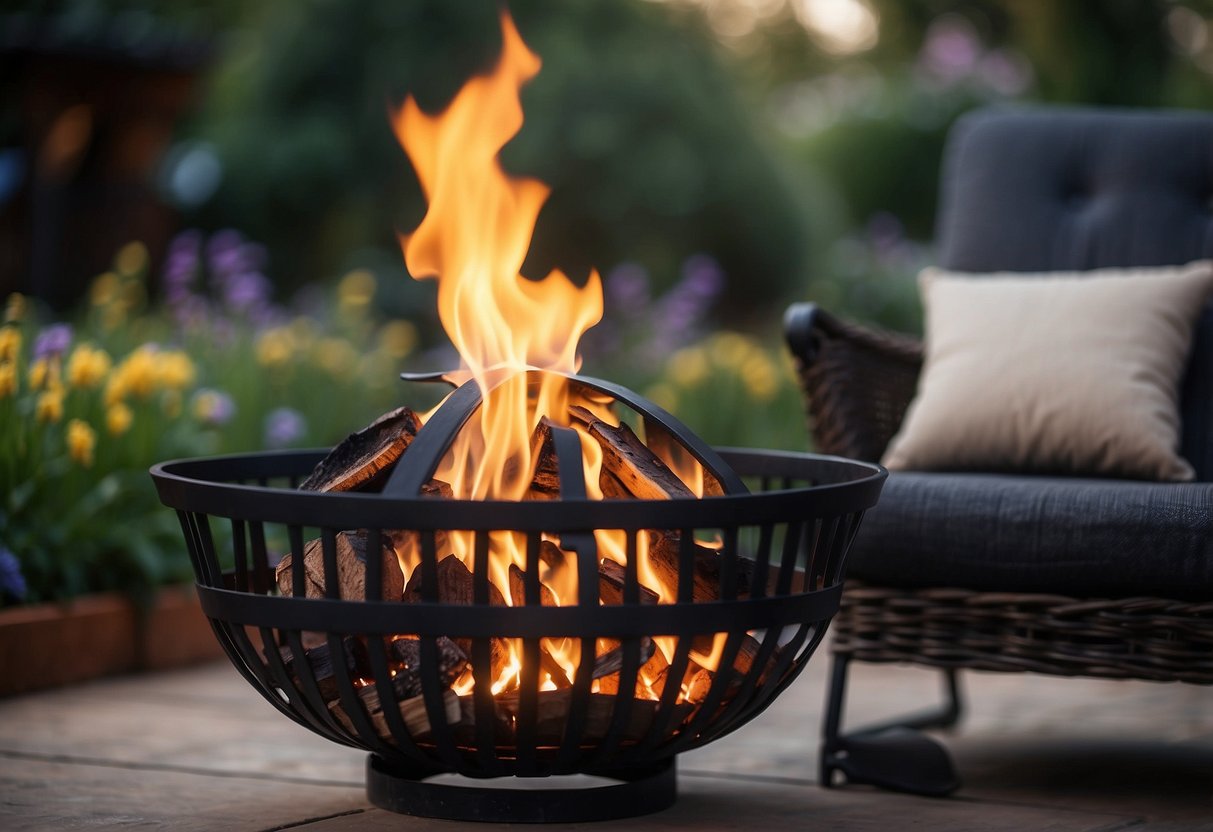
<point x="892" y="755"/>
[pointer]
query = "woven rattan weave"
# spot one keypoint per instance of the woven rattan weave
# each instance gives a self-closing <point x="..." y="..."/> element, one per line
<point x="1126" y="638"/>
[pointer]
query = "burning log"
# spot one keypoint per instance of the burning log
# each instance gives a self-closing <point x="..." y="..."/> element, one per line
<point x="413" y="711"/>
<point x="677" y="458"/>
<point x="545" y="482"/>
<point x="455" y="586"/>
<point x="611" y="661"/>
<point x="552" y="715"/>
<point x="405" y="655"/>
<point x="664" y="553"/>
<point x="610" y="584"/>
<point x="351" y="554"/>
<point x="698" y="680"/>
<point x="629" y="468"/>
<point x="632" y="469"/>
<point x="363" y="460"/>
<point x="518" y="589"/>
<point x="653" y="668"/>
<point x="320" y="660"/>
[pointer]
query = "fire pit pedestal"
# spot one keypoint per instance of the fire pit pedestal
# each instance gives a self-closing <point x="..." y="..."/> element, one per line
<point x="410" y="681"/>
<point x="637" y="791"/>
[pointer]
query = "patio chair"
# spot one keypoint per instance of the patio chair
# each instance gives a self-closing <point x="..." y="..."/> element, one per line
<point x="1028" y="564"/>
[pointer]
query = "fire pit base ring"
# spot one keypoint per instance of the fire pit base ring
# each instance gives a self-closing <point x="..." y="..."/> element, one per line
<point x="640" y="791"/>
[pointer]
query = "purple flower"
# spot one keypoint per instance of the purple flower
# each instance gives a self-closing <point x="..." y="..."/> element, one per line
<point x="246" y="292"/>
<point x="54" y="340"/>
<point x="284" y="426"/>
<point x="951" y="49"/>
<point x="228" y="253"/>
<point x="1006" y="73"/>
<point x="684" y="306"/>
<point x="213" y="407"/>
<point x="702" y="276"/>
<point x="627" y="288"/>
<point x="12" y="582"/>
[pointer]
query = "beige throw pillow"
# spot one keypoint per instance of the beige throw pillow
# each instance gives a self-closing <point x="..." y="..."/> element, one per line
<point x="1074" y="372"/>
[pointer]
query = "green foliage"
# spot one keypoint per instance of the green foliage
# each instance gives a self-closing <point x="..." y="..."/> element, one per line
<point x="633" y="121"/>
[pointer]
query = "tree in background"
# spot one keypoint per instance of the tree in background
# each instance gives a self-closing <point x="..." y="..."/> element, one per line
<point x="634" y="122"/>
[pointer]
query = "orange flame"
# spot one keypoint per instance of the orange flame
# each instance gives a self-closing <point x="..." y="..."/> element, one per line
<point x="473" y="240"/>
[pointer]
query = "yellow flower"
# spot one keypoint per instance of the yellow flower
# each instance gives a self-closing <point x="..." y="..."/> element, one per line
<point x="131" y="258"/>
<point x="663" y="395"/>
<point x="104" y="290"/>
<point x="87" y="367"/>
<point x="760" y="378"/>
<point x="81" y="440"/>
<point x="14" y="310"/>
<point x="115" y="389"/>
<point x="398" y="338"/>
<point x="731" y="349"/>
<point x="275" y="347"/>
<point x="171" y="404"/>
<point x="137" y="374"/>
<point x="118" y="419"/>
<point x="8" y="380"/>
<point x="10" y="343"/>
<point x="44" y="374"/>
<point x="303" y="332"/>
<point x="174" y="370"/>
<point x="688" y="366"/>
<point x="356" y="288"/>
<point x="335" y="355"/>
<point x="49" y="407"/>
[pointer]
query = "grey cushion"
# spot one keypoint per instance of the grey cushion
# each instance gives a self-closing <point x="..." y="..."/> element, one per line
<point x="1055" y="535"/>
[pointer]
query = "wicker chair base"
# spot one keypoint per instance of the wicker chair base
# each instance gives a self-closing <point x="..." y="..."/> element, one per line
<point x="1154" y="639"/>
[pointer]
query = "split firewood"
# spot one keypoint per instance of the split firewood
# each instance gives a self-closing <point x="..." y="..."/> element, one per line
<point x="664" y="552"/>
<point x="678" y="458"/>
<point x="612" y="660"/>
<point x="552" y="715"/>
<point x="698" y="680"/>
<point x="405" y="657"/>
<point x="351" y="554"/>
<point x="465" y="731"/>
<point x="455" y="586"/>
<point x="610" y="584"/>
<point x="699" y="685"/>
<point x="553" y="561"/>
<point x="413" y="711"/>
<point x="545" y="482"/>
<point x="518" y="589"/>
<point x="320" y="662"/>
<point x="363" y="460"/>
<point x="649" y="679"/>
<point x="628" y="463"/>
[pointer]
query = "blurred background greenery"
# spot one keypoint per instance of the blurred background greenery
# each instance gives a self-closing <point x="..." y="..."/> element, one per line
<point x="713" y="159"/>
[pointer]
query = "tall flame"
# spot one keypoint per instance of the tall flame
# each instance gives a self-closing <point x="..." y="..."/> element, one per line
<point x="473" y="240"/>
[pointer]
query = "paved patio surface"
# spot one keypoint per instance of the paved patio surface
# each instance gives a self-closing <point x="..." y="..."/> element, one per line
<point x="200" y="750"/>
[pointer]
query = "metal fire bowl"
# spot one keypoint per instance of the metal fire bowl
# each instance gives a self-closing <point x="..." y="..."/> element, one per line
<point x="238" y="513"/>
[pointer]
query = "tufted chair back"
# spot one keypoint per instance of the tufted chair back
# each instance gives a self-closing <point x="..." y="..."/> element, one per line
<point x="1048" y="189"/>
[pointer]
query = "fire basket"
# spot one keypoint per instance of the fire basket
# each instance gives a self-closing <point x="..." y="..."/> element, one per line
<point x="417" y="680"/>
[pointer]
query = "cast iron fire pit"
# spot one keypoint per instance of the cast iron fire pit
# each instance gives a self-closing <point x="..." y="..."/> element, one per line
<point x="790" y="525"/>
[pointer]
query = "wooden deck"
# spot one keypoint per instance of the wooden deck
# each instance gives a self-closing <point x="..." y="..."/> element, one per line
<point x="200" y="750"/>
